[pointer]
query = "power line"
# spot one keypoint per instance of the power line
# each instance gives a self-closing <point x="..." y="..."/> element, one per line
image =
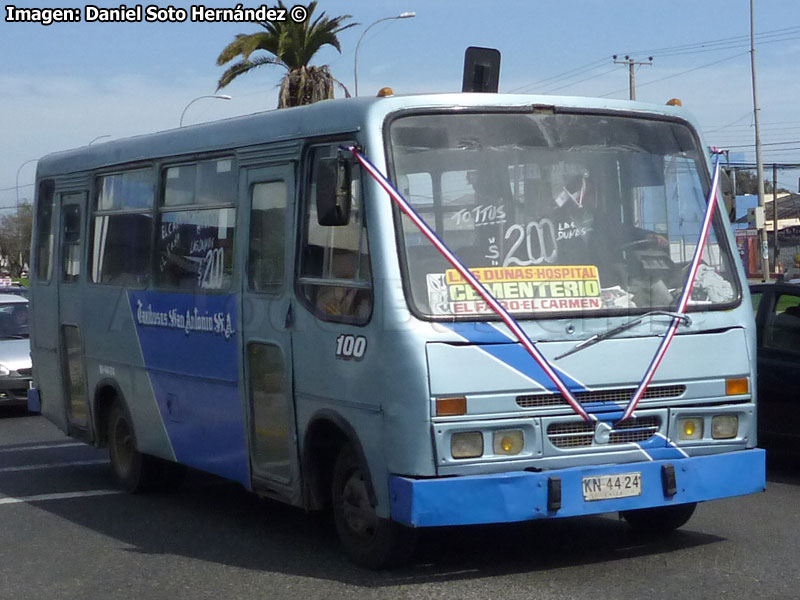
<point x="743" y="117"/>
<point x="737" y="38"/>
<point x="14" y="187"/>
<point x="741" y="128"/>
<point x="729" y="46"/>
<point x="747" y="129"/>
<point x="565" y="75"/>
<point x="551" y="90"/>
<point x="10" y="206"/>
<point x="770" y="144"/>
<point x="770" y="36"/>
<point x="711" y="64"/>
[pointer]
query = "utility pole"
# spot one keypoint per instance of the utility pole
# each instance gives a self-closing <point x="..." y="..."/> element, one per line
<point x="777" y="245"/>
<point x="632" y="64"/>
<point x="759" y="162"/>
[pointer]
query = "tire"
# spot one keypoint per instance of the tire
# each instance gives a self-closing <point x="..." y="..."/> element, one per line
<point x="661" y="519"/>
<point x="369" y="540"/>
<point x="135" y="472"/>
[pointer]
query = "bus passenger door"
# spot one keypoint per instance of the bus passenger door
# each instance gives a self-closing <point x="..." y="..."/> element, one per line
<point x="70" y="300"/>
<point x="266" y="321"/>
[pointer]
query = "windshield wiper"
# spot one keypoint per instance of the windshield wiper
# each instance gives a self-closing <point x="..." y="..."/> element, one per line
<point x="599" y="337"/>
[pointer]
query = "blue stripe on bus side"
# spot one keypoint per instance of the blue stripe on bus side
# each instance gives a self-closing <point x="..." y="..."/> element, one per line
<point x="191" y="352"/>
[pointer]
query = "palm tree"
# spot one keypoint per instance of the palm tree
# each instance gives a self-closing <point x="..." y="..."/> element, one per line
<point x="291" y="45"/>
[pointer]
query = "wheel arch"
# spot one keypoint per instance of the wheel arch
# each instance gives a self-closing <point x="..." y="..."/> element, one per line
<point x="106" y="392"/>
<point x="327" y="432"/>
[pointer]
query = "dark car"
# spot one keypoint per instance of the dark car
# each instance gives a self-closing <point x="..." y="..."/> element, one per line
<point x="777" y="308"/>
<point x="16" y="290"/>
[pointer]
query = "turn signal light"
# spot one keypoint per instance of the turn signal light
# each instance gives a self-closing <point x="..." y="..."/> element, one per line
<point x="451" y="407"/>
<point x="736" y="387"/>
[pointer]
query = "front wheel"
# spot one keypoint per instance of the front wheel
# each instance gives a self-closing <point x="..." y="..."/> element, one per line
<point x="368" y="539"/>
<point x="660" y="519"/>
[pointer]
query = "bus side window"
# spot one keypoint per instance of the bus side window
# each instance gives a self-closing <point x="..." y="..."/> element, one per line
<point x="267" y="224"/>
<point x="195" y="232"/>
<point x="122" y="228"/>
<point x="71" y="240"/>
<point x="335" y="277"/>
<point x="44" y="231"/>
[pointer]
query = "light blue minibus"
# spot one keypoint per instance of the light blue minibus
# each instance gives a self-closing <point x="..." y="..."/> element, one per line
<point x="244" y="298"/>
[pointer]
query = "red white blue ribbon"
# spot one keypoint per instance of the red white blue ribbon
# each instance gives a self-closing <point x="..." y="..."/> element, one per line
<point x="683" y="302"/>
<point x="514" y="326"/>
<point x="510" y="322"/>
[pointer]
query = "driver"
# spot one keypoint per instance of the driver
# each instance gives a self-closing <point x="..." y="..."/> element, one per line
<point x="574" y="221"/>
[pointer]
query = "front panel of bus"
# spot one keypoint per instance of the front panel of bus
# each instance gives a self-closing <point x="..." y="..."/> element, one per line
<point x="578" y="223"/>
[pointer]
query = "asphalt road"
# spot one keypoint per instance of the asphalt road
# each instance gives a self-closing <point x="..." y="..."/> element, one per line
<point x="66" y="532"/>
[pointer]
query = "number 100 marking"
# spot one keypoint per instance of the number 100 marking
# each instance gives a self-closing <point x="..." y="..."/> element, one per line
<point x="351" y="347"/>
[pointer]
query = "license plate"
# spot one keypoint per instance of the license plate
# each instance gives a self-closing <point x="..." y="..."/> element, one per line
<point x="604" y="487"/>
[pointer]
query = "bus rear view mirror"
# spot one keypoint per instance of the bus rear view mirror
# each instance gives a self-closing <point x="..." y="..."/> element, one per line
<point x="334" y="195"/>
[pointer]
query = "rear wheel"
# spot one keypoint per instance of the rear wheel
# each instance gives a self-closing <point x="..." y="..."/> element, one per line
<point x="134" y="471"/>
<point x="368" y="539"/>
<point x="660" y="519"/>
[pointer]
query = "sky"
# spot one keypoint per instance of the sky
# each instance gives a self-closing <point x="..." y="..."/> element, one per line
<point x="70" y="84"/>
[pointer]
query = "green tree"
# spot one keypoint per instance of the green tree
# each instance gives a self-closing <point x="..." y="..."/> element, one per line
<point x="289" y="45"/>
<point x="15" y="237"/>
<point x="746" y="182"/>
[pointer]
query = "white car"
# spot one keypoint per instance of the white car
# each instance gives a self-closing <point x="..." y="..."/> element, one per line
<point x="15" y="350"/>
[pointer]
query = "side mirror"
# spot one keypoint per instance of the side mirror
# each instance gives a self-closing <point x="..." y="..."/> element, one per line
<point x="334" y="196"/>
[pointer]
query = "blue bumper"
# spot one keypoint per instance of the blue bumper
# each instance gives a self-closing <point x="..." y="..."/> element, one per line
<point x="523" y="495"/>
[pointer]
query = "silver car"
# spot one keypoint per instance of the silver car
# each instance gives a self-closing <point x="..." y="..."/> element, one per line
<point x="15" y="350"/>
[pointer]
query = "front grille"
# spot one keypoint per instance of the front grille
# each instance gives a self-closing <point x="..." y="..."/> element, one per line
<point x="619" y="395"/>
<point x="571" y="435"/>
<point x="634" y="430"/>
<point x="580" y="434"/>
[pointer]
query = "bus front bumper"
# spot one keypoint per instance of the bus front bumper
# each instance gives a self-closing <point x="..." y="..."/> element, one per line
<point x="524" y="495"/>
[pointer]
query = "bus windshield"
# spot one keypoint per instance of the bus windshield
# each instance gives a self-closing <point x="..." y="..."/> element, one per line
<point x="557" y="213"/>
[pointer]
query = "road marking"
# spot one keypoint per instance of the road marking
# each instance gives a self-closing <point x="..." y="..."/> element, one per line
<point x="58" y="465"/>
<point x="61" y="496"/>
<point x="43" y="447"/>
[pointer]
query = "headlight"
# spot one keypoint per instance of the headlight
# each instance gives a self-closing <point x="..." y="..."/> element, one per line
<point x="4" y="372"/>
<point x="508" y="442"/>
<point x="690" y="428"/>
<point x="467" y="444"/>
<point x="724" y="427"/>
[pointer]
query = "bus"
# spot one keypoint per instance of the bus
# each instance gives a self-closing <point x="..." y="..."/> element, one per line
<point x="415" y="311"/>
